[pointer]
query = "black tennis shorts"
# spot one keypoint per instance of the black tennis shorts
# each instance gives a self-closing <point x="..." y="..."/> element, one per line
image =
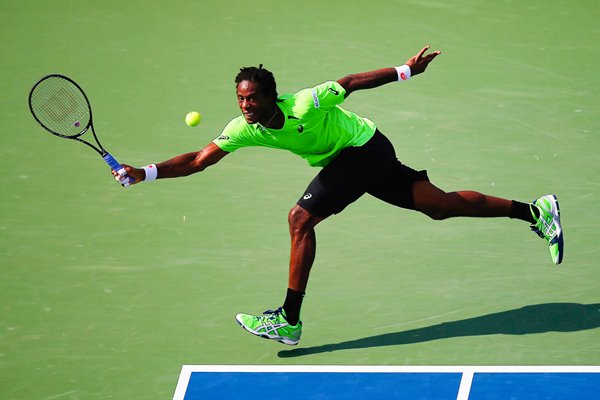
<point x="371" y="168"/>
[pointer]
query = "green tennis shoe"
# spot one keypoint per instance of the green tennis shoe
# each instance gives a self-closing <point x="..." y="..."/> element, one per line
<point x="271" y="325"/>
<point x="548" y="226"/>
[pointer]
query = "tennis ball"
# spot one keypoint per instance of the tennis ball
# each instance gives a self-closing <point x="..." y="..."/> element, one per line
<point x="193" y="118"/>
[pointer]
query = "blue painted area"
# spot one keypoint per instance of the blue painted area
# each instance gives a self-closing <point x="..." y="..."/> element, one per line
<point x="323" y="386"/>
<point x="524" y="384"/>
<point x="535" y="386"/>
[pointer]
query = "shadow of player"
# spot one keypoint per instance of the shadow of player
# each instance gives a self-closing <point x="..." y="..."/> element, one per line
<point x="540" y="318"/>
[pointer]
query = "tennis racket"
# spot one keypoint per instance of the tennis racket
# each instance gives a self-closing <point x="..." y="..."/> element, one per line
<point x="61" y="107"/>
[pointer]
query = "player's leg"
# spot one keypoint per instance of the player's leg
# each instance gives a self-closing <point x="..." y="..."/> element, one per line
<point x="438" y="204"/>
<point x="302" y="256"/>
<point x="303" y="246"/>
<point x="336" y="186"/>
<point x="407" y="188"/>
<point x="543" y="214"/>
<point x="284" y="324"/>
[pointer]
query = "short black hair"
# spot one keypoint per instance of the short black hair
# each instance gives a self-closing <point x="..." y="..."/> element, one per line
<point x="260" y="75"/>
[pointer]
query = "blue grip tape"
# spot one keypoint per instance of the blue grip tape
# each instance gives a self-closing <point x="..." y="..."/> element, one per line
<point x="114" y="165"/>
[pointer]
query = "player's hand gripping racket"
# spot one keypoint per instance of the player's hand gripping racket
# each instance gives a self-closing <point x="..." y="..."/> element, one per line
<point x="62" y="108"/>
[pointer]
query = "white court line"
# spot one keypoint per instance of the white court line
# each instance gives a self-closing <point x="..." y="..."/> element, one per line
<point x="463" y="393"/>
<point x="465" y="385"/>
<point x="184" y="380"/>
<point x="388" y="368"/>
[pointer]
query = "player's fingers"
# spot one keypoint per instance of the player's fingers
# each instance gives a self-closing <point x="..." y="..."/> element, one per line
<point x="430" y="57"/>
<point x="423" y="50"/>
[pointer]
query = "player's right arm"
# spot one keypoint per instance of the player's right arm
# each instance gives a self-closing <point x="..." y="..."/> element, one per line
<point x="190" y="163"/>
<point x="182" y="165"/>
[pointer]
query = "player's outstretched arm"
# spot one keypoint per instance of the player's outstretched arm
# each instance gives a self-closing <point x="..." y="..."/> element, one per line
<point x="379" y="77"/>
<point x="182" y="165"/>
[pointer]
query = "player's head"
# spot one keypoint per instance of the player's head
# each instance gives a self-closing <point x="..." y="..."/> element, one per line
<point x="256" y="92"/>
<point x="259" y="75"/>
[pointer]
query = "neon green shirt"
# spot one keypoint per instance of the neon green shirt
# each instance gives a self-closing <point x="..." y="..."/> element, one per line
<point x="316" y="128"/>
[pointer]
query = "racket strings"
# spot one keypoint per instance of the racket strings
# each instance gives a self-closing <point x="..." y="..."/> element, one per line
<point x="60" y="106"/>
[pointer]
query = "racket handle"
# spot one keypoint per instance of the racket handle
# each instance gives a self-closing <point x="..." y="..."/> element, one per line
<point x="114" y="165"/>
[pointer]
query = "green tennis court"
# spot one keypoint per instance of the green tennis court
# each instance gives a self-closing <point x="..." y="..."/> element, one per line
<point x="106" y="292"/>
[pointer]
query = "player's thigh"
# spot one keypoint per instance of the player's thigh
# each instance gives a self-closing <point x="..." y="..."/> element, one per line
<point x="348" y="176"/>
<point x="330" y="193"/>
<point x="397" y="186"/>
<point x="340" y="183"/>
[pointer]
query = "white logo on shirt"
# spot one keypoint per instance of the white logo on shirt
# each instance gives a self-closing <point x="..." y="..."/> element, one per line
<point x="315" y="99"/>
<point x="307" y="196"/>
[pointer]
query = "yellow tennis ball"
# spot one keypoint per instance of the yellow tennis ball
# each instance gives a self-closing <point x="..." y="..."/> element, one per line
<point x="193" y="118"/>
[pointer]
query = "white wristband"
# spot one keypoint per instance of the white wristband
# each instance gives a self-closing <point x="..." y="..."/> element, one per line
<point x="151" y="172"/>
<point x="403" y="72"/>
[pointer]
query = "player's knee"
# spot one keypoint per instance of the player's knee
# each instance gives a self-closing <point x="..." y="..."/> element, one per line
<point x="437" y="214"/>
<point x="440" y="210"/>
<point x="301" y="220"/>
<point x="297" y="218"/>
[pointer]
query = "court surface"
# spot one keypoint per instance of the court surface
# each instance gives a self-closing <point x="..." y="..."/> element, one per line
<point x="408" y="383"/>
<point x="107" y="292"/>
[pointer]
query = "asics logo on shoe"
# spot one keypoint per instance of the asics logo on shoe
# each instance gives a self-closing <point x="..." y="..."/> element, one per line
<point x="271" y="328"/>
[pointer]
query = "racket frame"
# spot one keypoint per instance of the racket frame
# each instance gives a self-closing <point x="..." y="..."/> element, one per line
<point x="108" y="158"/>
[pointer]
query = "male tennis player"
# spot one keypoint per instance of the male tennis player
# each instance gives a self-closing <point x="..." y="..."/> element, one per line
<point x="356" y="158"/>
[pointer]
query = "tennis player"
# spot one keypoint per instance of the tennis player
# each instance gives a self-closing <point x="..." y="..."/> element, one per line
<point x="356" y="158"/>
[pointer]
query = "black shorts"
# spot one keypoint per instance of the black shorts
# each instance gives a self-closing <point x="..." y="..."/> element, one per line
<point x="372" y="168"/>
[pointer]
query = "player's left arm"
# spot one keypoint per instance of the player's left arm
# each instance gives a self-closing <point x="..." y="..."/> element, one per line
<point x="379" y="77"/>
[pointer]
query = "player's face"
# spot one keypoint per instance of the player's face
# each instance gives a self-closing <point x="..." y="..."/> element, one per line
<point x="255" y="106"/>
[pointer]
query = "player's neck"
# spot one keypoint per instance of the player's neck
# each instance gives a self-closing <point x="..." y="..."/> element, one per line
<point x="275" y="121"/>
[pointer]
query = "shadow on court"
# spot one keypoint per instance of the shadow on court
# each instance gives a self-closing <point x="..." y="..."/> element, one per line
<point x="540" y="318"/>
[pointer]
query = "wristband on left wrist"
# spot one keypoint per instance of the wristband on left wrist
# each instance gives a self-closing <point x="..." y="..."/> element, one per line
<point x="403" y="72"/>
<point x="151" y="172"/>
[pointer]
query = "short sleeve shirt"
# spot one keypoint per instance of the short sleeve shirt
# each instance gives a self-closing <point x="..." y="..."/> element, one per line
<point x="316" y="128"/>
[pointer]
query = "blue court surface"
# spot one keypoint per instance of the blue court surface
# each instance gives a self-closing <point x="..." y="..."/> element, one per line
<point x="388" y="382"/>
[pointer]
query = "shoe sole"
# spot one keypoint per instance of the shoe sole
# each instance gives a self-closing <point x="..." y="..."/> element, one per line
<point x="559" y="237"/>
<point x="279" y="339"/>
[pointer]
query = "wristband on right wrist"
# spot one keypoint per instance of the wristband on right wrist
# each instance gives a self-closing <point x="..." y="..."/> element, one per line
<point x="403" y="72"/>
<point x="151" y="172"/>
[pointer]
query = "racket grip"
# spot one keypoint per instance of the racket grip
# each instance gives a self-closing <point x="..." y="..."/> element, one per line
<point x="114" y="165"/>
